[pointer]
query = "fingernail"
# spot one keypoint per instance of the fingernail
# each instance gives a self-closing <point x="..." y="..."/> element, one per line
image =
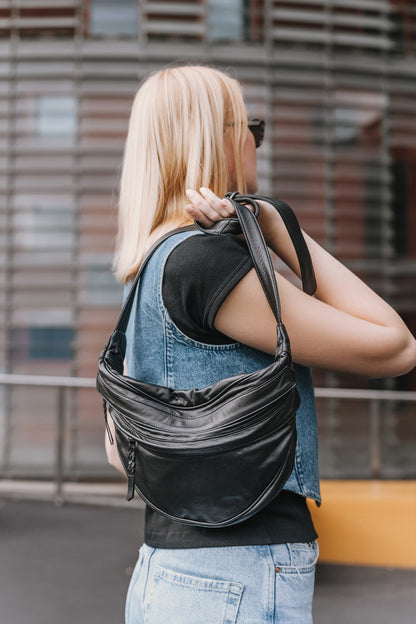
<point x="204" y="190"/>
<point x="190" y="192"/>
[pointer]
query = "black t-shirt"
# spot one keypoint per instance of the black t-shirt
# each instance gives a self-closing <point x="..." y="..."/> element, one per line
<point x="199" y="274"/>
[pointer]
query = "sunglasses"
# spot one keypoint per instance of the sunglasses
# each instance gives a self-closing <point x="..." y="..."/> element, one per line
<point x="256" y="127"/>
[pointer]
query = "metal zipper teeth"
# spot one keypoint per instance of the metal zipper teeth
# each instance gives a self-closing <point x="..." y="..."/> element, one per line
<point x="261" y="386"/>
<point x="186" y="408"/>
<point x="147" y="438"/>
<point x="217" y="398"/>
<point x="228" y="446"/>
<point x="245" y="421"/>
<point x="254" y="419"/>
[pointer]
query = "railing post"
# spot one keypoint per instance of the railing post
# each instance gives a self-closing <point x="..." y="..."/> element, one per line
<point x="375" y="438"/>
<point x="60" y="436"/>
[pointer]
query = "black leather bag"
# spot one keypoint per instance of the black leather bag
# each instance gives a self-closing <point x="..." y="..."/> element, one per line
<point x="212" y="456"/>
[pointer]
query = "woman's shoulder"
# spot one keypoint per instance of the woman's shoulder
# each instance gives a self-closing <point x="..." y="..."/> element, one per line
<point x="199" y="274"/>
<point x="201" y="254"/>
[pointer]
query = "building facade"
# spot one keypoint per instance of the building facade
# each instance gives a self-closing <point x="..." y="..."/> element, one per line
<point x="335" y="81"/>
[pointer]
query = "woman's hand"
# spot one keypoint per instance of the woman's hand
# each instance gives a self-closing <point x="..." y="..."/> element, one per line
<point x="207" y="208"/>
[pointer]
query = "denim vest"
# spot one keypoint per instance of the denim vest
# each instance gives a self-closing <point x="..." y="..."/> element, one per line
<point x="159" y="352"/>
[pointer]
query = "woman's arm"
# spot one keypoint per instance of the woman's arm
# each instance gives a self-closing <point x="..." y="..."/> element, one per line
<point x="346" y="326"/>
<point x="111" y="449"/>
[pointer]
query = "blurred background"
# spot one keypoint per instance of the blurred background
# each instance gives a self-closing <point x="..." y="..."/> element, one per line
<point x="335" y="81"/>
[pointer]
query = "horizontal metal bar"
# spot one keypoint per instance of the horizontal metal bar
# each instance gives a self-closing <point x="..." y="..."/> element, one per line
<point x="39" y="23"/>
<point x="244" y="54"/>
<point x="325" y="393"/>
<point x="294" y="15"/>
<point x="170" y="8"/>
<point x="11" y="379"/>
<point x="321" y="18"/>
<point x="173" y="28"/>
<point x="361" y="5"/>
<point x="367" y="395"/>
<point x="46" y="4"/>
<point x="378" y="7"/>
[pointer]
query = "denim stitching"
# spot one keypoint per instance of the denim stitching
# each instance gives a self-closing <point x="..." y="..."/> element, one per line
<point x="300" y="569"/>
<point x="270" y="598"/>
<point x="233" y="602"/>
<point x="168" y="353"/>
<point x="204" y="584"/>
<point x="231" y="590"/>
<point x="179" y="336"/>
<point x="297" y="468"/>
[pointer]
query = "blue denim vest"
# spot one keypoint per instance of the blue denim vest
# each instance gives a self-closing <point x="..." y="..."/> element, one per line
<point x="159" y="352"/>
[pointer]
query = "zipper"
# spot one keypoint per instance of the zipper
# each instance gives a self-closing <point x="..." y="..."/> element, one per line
<point x="136" y="431"/>
<point x="227" y="445"/>
<point x="243" y="422"/>
<point x="131" y="469"/>
<point x="126" y="383"/>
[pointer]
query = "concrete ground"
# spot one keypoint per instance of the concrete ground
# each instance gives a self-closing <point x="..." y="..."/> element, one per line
<point x="73" y="563"/>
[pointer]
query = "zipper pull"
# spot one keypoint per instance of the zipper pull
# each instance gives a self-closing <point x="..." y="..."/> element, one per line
<point x="131" y="469"/>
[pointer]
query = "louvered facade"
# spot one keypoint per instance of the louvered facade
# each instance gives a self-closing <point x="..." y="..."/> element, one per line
<point x="335" y="81"/>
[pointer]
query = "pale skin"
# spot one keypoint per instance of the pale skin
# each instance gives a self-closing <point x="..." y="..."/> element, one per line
<point x="345" y="326"/>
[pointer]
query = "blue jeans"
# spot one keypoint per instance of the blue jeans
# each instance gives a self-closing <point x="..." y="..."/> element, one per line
<point x="227" y="585"/>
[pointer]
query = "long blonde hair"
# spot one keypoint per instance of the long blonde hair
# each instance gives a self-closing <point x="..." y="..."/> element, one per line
<point x="178" y="123"/>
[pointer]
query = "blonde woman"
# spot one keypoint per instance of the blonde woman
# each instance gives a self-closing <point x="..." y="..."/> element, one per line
<point x="200" y="315"/>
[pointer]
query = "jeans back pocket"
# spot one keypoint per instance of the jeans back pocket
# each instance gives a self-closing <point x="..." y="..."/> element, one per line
<point x="181" y="598"/>
<point x="303" y="555"/>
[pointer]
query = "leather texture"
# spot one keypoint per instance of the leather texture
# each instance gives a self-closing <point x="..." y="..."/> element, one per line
<point x="213" y="456"/>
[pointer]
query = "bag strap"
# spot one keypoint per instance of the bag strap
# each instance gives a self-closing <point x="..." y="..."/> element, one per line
<point x="258" y="251"/>
<point x="232" y="226"/>
<point x="295" y="233"/>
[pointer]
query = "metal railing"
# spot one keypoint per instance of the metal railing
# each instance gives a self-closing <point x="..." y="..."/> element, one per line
<point x="64" y="384"/>
<point x="375" y="399"/>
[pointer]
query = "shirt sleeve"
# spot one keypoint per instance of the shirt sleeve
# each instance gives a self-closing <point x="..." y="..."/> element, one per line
<point x="199" y="274"/>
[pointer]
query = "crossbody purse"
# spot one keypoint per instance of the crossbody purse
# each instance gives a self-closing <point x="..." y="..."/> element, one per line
<point x="212" y="456"/>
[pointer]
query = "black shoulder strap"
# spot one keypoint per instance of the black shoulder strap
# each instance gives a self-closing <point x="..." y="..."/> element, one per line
<point x="260" y="256"/>
<point x="295" y="233"/>
<point x="233" y="226"/>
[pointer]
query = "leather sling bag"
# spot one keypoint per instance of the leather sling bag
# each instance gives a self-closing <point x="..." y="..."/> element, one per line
<point x="212" y="456"/>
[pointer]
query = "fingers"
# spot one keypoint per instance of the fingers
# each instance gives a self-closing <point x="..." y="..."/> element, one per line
<point x="206" y="207"/>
